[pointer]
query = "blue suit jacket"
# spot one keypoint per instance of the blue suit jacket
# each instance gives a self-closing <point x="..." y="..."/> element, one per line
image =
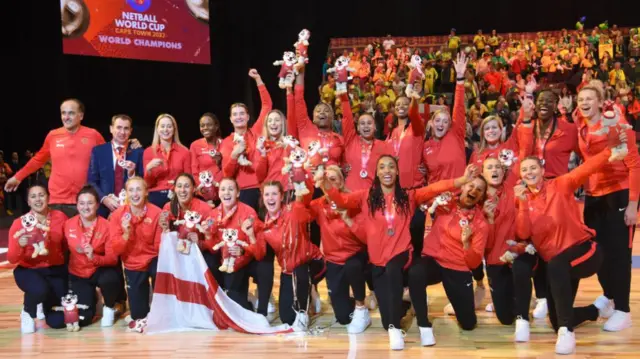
<point x="102" y="174"/>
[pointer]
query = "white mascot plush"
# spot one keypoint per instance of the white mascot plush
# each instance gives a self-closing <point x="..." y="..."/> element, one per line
<point x="29" y="224"/>
<point x="190" y="224"/>
<point x="316" y="159"/>
<point x="415" y="75"/>
<point x="611" y="123"/>
<point x="507" y="157"/>
<point x="242" y="159"/>
<point x="286" y="73"/>
<point x="341" y="71"/>
<point x="294" y="165"/>
<point x="70" y="308"/>
<point x="302" y="46"/>
<point x="229" y="240"/>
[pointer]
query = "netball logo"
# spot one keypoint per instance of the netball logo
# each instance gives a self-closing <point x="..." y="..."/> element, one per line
<point x="139" y="5"/>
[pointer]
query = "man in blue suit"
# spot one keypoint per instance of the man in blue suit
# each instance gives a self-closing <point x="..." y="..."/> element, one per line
<point x="113" y="163"/>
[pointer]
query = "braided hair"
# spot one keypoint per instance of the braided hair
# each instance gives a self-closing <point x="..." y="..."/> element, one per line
<point x="376" y="197"/>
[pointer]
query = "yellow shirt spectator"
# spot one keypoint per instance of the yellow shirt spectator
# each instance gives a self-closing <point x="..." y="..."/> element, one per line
<point x="384" y="101"/>
<point x="615" y="76"/>
<point x="454" y="42"/>
<point x="328" y="94"/>
<point x="479" y="41"/>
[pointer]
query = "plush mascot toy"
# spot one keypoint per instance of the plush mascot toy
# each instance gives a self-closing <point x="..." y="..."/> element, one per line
<point x="229" y="240"/>
<point x="37" y="234"/>
<point x="70" y="308"/>
<point x="302" y="46"/>
<point x="294" y="165"/>
<point x="341" y="70"/>
<point x="612" y="126"/>
<point x="415" y="75"/>
<point x="190" y="224"/>
<point x="286" y="74"/>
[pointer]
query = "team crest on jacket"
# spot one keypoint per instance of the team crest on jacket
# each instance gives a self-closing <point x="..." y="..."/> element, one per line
<point x="139" y="5"/>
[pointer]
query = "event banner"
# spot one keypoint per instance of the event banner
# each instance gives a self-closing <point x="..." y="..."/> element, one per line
<point x="157" y="30"/>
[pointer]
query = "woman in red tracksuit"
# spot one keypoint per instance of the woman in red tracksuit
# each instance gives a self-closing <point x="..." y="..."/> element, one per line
<point x="611" y="204"/>
<point x="319" y="129"/>
<point x="549" y="215"/>
<point x="285" y="230"/>
<point x="510" y="279"/>
<point x="452" y="249"/>
<point x="184" y="204"/>
<point x="346" y="257"/>
<point x="232" y="149"/>
<point x="387" y="209"/>
<point x="43" y="277"/>
<point x="274" y="147"/>
<point x="206" y="156"/>
<point x="135" y="236"/>
<point x="164" y="159"/>
<point x="231" y="214"/>
<point x="92" y="262"/>
<point x="361" y="147"/>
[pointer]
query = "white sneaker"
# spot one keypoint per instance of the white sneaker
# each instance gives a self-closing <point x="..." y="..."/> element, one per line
<point x="27" y="324"/>
<point x="271" y="308"/>
<point x="541" y="309"/>
<point x="618" y="321"/>
<point x="301" y="323"/>
<point x="108" y="316"/>
<point x="317" y="304"/>
<point x="478" y="296"/>
<point x="396" y="338"/>
<point x="448" y="310"/>
<point x="489" y="308"/>
<point x="605" y="306"/>
<point x="426" y="337"/>
<point x="360" y="320"/>
<point x="522" y="331"/>
<point x="566" y="342"/>
<point x="40" y="315"/>
<point x="371" y="302"/>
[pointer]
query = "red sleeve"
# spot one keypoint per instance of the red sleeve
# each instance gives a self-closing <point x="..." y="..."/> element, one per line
<point x="348" y="128"/>
<point x="38" y="160"/>
<point x="315" y="206"/>
<point x="300" y="213"/>
<point x="351" y="200"/>
<point x="262" y="165"/>
<point x="303" y="122"/>
<point x="416" y="120"/>
<point x="473" y="255"/>
<point x="149" y="176"/>
<point x="186" y="163"/>
<point x="569" y="182"/>
<point x="230" y="166"/>
<point x="459" y="118"/>
<point x="258" y="249"/>
<point x="15" y="252"/>
<point x="388" y="122"/>
<point x="109" y="258"/>
<point x="291" y="116"/>
<point x="195" y="166"/>
<point x="632" y="161"/>
<point x="265" y="108"/>
<point x="523" y="223"/>
<point x="424" y="194"/>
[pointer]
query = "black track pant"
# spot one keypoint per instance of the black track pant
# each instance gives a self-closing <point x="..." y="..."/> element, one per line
<point x="342" y="277"/>
<point x="511" y="288"/>
<point x="105" y="278"/>
<point x="304" y="276"/>
<point x="388" y="286"/>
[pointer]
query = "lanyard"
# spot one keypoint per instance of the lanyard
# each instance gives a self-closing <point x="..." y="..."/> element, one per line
<point x="87" y="233"/>
<point x="543" y="139"/>
<point x="398" y="141"/>
<point x="389" y="216"/>
<point x="222" y="221"/>
<point x="120" y="156"/>
<point x="365" y="154"/>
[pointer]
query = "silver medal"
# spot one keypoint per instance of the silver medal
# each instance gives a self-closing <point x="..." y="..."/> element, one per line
<point x="464" y="222"/>
<point x="391" y="232"/>
<point x="363" y="174"/>
<point x="122" y="163"/>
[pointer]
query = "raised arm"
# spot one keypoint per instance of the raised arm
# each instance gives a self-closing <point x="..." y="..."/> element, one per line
<point x="424" y="194"/>
<point x="459" y="121"/>
<point x="265" y="99"/>
<point x="303" y="122"/>
<point x="569" y="182"/>
<point x="416" y="120"/>
<point x="348" y="128"/>
<point x="292" y="130"/>
<point x="351" y="200"/>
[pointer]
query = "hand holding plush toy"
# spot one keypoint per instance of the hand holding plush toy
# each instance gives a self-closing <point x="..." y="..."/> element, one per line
<point x="240" y="150"/>
<point x="294" y="165"/>
<point x="415" y="75"/>
<point x="302" y="46"/>
<point x="36" y="238"/>
<point x="207" y="185"/>
<point x="614" y="129"/>
<point x="229" y="240"/>
<point x="188" y="227"/>
<point x="316" y="158"/>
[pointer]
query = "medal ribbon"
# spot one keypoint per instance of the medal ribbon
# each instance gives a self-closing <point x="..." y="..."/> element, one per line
<point x="119" y="153"/>
<point x="389" y="215"/>
<point x="365" y="155"/>
<point x="222" y="221"/>
<point x="398" y="141"/>
<point x="542" y="140"/>
<point x="136" y="219"/>
<point x="325" y="142"/>
<point x="87" y="233"/>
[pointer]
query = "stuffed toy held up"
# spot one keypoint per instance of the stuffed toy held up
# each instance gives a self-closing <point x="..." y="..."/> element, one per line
<point x="294" y="165"/>
<point x="37" y="238"/>
<point x="341" y="70"/>
<point x="207" y="185"/>
<point x="229" y="240"/>
<point x="190" y="224"/>
<point x="70" y="308"/>
<point x="286" y="73"/>
<point x="301" y="49"/>
<point x="415" y="75"/>
<point x="316" y="159"/>
<point x="612" y="126"/>
<point x="242" y="159"/>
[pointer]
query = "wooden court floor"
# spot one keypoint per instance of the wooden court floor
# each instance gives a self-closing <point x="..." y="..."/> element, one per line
<point x="488" y="340"/>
